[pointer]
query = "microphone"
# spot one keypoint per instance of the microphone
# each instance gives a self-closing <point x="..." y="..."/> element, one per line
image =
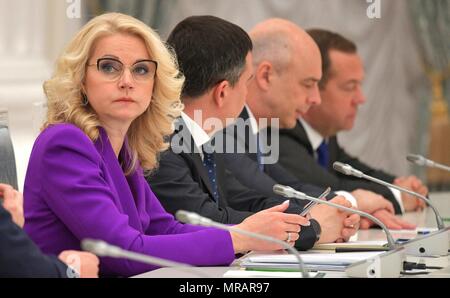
<point x="423" y="162"/>
<point x="388" y="264"/>
<point x="103" y="249"/>
<point x="289" y="192"/>
<point x="350" y="171"/>
<point x="196" y="219"/>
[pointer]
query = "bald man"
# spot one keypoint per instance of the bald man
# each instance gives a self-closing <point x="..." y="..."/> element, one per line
<point x="315" y="134"/>
<point x="285" y="79"/>
<point x="287" y="69"/>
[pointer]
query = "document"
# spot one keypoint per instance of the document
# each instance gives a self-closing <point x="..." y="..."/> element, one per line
<point x="266" y="274"/>
<point x="371" y="244"/>
<point x="417" y="231"/>
<point x="312" y="261"/>
<point x="287" y="267"/>
<point x="314" y="258"/>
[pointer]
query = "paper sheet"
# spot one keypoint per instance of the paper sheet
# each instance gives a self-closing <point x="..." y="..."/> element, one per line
<point x="264" y="274"/>
<point x="318" y="258"/>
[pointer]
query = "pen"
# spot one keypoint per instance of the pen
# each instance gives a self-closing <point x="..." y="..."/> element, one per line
<point x="402" y="240"/>
<point x="307" y="208"/>
<point x="423" y="232"/>
<point x="321" y="274"/>
<point x="312" y="204"/>
<point x="360" y="249"/>
<point x="272" y="269"/>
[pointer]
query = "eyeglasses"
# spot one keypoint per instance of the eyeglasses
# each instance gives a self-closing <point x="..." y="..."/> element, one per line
<point x="112" y="69"/>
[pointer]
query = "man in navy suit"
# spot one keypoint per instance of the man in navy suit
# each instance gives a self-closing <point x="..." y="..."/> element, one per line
<point x="20" y="257"/>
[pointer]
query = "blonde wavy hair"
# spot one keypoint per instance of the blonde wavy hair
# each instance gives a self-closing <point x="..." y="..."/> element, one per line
<point x="147" y="135"/>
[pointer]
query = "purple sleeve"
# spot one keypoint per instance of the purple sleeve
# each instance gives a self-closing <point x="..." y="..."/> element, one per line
<point x="74" y="186"/>
<point x="164" y="222"/>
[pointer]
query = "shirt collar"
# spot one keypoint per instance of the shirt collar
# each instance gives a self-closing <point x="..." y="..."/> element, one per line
<point x="315" y="138"/>
<point x="253" y="122"/>
<point x="198" y="134"/>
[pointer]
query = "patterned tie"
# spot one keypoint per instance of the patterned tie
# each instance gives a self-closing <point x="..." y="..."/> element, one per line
<point x="323" y="155"/>
<point x="210" y="165"/>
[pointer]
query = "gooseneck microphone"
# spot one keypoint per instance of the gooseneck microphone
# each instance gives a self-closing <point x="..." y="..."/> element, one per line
<point x="289" y="192"/>
<point x="195" y="219"/>
<point x="350" y="171"/>
<point x="103" y="249"/>
<point x="424" y="162"/>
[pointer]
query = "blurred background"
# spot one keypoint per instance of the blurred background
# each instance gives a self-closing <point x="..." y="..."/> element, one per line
<point x="405" y="45"/>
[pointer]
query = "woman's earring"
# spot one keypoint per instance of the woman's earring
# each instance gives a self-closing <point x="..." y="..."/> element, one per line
<point x="84" y="101"/>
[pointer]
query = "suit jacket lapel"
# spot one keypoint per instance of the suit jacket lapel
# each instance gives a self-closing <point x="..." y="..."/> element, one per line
<point x="221" y="179"/>
<point x="247" y="137"/>
<point x="299" y="133"/>
<point x="187" y="144"/>
<point x="125" y="200"/>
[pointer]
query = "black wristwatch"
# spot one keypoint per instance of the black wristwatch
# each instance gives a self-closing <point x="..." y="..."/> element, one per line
<point x="317" y="229"/>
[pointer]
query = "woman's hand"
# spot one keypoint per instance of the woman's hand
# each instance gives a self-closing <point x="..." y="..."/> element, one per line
<point x="271" y="222"/>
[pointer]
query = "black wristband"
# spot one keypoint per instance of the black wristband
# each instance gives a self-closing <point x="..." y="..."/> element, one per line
<point x="308" y="236"/>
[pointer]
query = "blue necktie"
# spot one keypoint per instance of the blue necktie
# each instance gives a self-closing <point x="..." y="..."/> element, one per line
<point x="323" y="155"/>
<point x="210" y="165"/>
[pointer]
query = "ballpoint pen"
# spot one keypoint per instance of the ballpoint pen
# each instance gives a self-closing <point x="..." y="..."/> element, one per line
<point x="311" y="204"/>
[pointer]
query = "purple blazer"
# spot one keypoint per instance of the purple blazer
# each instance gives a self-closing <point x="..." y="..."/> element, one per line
<point x="76" y="189"/>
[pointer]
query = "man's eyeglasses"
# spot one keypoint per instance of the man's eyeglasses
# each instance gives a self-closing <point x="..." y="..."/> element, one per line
<point x="112" y="69"/>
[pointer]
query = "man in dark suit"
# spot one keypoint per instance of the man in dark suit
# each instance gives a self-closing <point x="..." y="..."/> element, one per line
<point x="285" y="85"/>
<point x="256" y="167"/>
<point x="310" y="149"/>
<point x="191" y="175"/>
<point x="20" y="257"/>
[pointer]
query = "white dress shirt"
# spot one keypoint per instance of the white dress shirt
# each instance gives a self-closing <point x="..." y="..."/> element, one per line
<point x="253" y="122"/>
<point x="197" y="132"/>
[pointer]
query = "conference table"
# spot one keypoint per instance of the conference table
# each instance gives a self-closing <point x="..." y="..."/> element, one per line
<point x="423" y="219"/>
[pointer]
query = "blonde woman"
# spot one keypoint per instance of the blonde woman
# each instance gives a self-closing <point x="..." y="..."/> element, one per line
<point x="111" y="102"/>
